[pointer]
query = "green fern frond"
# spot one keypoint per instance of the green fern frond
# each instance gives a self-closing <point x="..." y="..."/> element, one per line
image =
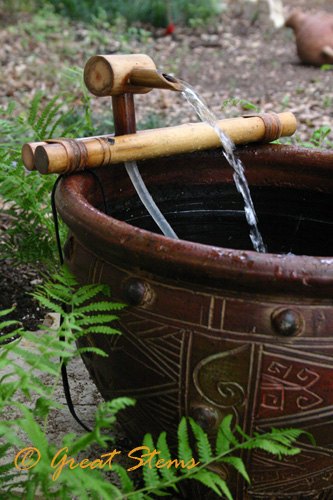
<point x="226" y="432"/>
<point x="203" y="445"/>
<point x="65" y="277"/>
<point x="47" y="110"/>
<point x="167" y="473"/>
<point x="242" y="102"/>
<point x="222" y="443"/>
<point x="62" y="118"/>
<point x="86" y="293"/>
<point x="34" y="107"/>
<point x="50" y="292"/>
<point x="100" y="306"/>
<point x="92" y="320"/>
<point x="48" y="304"/>
<point x="49" y="113"/>
<point x="94" y="350"/>
<point x="38" y="362"/>
<point x="57" y="290"/>
<point x="214" y="482"/>
<point x="290" y="434"/>
<point x="115" y="405"/>
<point x="184" y="450"/>
<point x="127" y="484"/>
<point x="73" y="128"/>
<point x="106" y="330"/>
<point x="149" y="471"/>
<point x="238" y="464"/>
<point x="139" y="496"/>
<point x="5" y="312"/>
<point x="267" y="444"/>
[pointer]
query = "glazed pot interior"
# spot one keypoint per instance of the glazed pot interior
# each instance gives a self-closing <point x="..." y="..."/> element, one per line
<point x="292" y="193"/>
<point x="198" y="197"/>
<point x="291" y="220"/>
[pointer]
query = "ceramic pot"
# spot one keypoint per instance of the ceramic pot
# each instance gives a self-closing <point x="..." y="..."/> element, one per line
<point x="214" y="328"/>
<point x="314" y="36"/>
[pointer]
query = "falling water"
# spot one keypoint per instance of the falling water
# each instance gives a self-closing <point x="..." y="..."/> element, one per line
<point x="207" y="116"/>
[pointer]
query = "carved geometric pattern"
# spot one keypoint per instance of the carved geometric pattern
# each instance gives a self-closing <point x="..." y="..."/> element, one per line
<point x="215" y="380"/>
<point x="302" y="474"/>
<point x="193" y="348"/>
<point x="156" y="349"/>
<point x="296" y="389"/>
<point x="294" y="384"/>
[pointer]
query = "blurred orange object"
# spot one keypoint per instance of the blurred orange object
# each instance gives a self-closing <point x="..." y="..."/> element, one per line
<point x="314" y="36"/>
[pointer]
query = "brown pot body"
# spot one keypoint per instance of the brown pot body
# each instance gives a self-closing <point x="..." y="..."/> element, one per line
<point x="212" y="331"/>
<point x="313" y="33"/>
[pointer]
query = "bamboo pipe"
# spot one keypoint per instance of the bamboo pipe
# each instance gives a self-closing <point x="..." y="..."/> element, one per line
<point x="119" y="74"/>
<point x="109" y="75"/>
<point x="68" y="155"/>
<point x="154" y="79"/>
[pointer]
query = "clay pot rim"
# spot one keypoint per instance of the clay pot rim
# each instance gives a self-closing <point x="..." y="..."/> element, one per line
<point x="112" y="239"/>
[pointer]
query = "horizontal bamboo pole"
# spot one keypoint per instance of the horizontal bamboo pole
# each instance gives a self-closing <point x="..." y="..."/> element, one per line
<point x="91" y="152"/>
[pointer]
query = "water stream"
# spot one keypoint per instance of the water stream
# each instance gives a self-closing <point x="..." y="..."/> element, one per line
<point x="207" y="116"/>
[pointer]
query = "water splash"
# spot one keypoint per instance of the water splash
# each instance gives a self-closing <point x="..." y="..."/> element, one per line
<point x="207" y="116"/>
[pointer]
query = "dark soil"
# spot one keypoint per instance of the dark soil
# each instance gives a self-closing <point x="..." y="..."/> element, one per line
<point x="16" y="285"/>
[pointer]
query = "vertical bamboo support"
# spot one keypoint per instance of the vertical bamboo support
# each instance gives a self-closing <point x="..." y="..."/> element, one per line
<point x="124" y="114"/>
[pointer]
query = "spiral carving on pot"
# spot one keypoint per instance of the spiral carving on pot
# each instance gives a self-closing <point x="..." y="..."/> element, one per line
<point x="211" y="376"/>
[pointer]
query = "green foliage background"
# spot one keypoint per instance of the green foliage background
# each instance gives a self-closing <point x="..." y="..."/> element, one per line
<point x="154" y="12"/>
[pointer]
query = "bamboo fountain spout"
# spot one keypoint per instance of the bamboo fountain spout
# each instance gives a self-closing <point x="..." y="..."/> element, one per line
<point x="120" y="77"/>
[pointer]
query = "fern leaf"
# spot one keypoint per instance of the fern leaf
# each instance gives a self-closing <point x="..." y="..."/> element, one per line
<point x="242" y="102"/>
<point x="64" y="290"/>
<point x="115" y="405"/>
<point x="271" y="446"/>
<point x="4" y="312"/>
<point x="4" y="324"/>
<point x="126" y="483"/>
<point x="48" y="108"/>
<point x="37" y="361"/>
<point x="56" y="124"/>
<point x="106" y="330"/>
<point x="168" y="474"/>
<point x="10" y="335"/>
<point x="291" y="434"/>
<point x="33" y="429"/>
<point x="100" y="306"/>
<point x="139" y="496"/>
<point x="94" y="350"/>
<point x="48" y="304"/>
<point x="92" y="320"/>
<point x="86" y="293"/>
<point x="225" y="430"/>
<point x="238" y="464"/>
<point x="214" y="482"/>
<point x="71" y="129"/>
<point x="203" y="445"/>
<point x="51" y="114"/>
<point x="65" y="277"/>
<point x="34" y="108"/>
<point x="222" y="443"/>
<point x="149" y="471"/>
<point x="184" y="450"/>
